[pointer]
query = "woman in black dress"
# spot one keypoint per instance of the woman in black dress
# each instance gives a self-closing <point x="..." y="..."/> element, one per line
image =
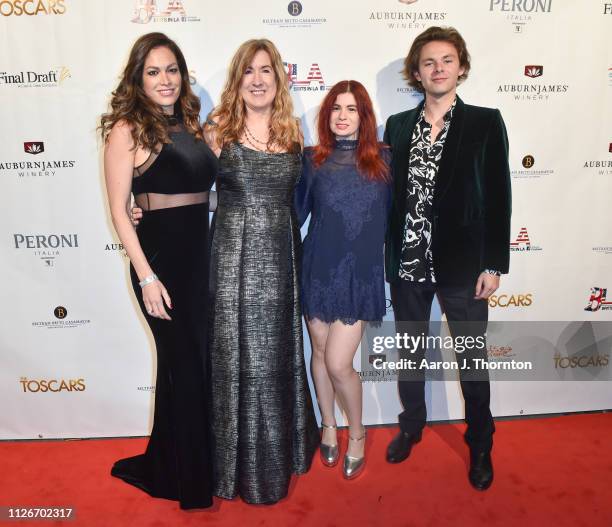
<point x="344" y="187"/>
<point x="154" y="148"/>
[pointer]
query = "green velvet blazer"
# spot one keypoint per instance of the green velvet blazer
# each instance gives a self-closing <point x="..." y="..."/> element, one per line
<point x="472" y="196"/>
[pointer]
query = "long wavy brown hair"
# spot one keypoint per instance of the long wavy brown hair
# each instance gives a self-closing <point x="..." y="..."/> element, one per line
<point x="129" y="102"/>
<point x="369" y="160"/>
<point x="230" y="114"/>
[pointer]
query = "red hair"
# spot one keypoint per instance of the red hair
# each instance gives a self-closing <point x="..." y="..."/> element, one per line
<point x="369" y="160"/>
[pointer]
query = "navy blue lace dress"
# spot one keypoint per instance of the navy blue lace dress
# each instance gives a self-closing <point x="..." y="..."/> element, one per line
<point x="342" y="267"/>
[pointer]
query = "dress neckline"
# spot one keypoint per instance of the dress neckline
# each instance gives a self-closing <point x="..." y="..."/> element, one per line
<point x="243" y="147"/>
<point x="346" y="144"/>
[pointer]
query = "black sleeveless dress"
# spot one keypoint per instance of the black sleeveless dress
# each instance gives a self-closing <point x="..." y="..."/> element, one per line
<point x="172" y="187"/>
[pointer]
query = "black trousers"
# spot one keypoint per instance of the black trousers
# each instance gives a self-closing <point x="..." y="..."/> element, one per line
<point x="466" y="316"/>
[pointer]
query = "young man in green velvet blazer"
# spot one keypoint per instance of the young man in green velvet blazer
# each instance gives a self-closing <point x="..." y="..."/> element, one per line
<point x="449" y="230"/>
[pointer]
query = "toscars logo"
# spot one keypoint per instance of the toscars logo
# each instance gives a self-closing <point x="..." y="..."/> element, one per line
<point x="35" y="169"/>
<point x="523" y="243"/>
<point x="597" y="300"/>
<point x="295" y="18"/>
<point x="46" y="247"/>
<point x="52" y="78"/>
<point x="313" y="81"/>
<point x="403" y="17"/>
<point x="146" y="11"/>
<point x="582" y="361"/>
<point x="32" y="7"/>
<point x="523" y="300"/>
<point x="520" y="12"/>
<point x="536" y="91"/>
<point x="52" y="385"/>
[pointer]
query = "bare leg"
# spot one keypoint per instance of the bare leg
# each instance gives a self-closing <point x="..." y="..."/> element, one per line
<point x="325" y="391"/>
<point x="342" y="343"/>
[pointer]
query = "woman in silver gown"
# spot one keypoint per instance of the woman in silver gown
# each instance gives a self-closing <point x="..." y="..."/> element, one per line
<point x="263" y="421"/>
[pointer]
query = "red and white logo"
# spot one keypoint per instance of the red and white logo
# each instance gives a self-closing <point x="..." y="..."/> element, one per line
<point x="313" y="82"/>
<point x="597" y="300"/>
<point x="534" y="71"/>
<point x="34" y="147"/>
<point x="523" y="243"/>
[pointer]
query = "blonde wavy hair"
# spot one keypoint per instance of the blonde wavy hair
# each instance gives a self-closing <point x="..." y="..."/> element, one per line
<point x="227" y="120"/>
<point x="131" y="104"/>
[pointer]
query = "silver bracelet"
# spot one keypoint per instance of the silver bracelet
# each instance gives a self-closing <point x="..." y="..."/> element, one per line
<point x="148" y="280"/>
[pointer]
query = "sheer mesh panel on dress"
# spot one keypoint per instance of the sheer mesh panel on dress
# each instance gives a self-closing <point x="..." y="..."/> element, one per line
<point x="155" y="201"/>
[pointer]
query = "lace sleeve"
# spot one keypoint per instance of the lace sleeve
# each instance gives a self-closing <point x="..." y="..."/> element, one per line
<point x="302" y="196"/>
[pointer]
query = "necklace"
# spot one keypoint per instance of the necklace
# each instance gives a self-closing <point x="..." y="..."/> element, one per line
<point x="250" y="137"/>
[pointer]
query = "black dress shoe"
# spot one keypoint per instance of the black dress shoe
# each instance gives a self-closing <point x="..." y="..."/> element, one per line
<point x="401" y="445"/>
<point x="481" y="470"/>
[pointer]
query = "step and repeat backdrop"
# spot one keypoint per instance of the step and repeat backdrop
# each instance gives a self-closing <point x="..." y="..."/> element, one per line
<point x="76" y="357"/>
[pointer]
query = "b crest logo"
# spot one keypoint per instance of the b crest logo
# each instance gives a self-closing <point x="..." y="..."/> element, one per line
<point x="528" y="161"/>
<point x="294" y="8"/>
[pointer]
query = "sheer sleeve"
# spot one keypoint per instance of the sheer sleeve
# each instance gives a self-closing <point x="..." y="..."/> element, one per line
<point x="302" y="197"/>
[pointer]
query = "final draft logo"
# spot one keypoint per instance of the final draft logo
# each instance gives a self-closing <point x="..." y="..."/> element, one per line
<point x="607" y="9"/>
<point x="60" y="320"/>
<point x="46" y="247"/>
<point x="520" y="12"/>
<point x="504" y="300"/>
<point x="52" y="78"/>
<point x="523" y="243"/>
<point x="41" y="168"/>
<point x="535" y="91"/>
<point x="312" y="81"/>
<point x="32" y="7"/>
<point x="404" y="17"/>
<point x="528" y="162"/>
<point x="146" y="11"/>
<point x="295" y="10"/>
<point x="597" y="300"/>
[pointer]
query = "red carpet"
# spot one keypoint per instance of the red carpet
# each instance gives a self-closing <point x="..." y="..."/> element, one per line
<point x="551" y="471"/>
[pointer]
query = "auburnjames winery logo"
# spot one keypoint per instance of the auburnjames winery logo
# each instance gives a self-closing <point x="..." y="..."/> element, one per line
<point x="528" y="162"/>
<point x="598" y="301"/>
<point x="52" y="385"/>
<point x="404" y="17"/>
<point x="535" y="91"/>
<point x="52" y="78"/>
<point x="523" y="243"/>
<point x="34" y="147"/>
<point x="146" y="11"/>
<point x="522" y="300"/>
<point x="47" y="247"/>
<point x="38" y="168"/>
<point x="603" y="167"/>
<point x="534" y="71"/>
<point x="32" y="7"/>
<point x="61" y="320"/>
<point x="295" y="18"/>
<point x="520" y="12"/>
<point x="312" y="82"/>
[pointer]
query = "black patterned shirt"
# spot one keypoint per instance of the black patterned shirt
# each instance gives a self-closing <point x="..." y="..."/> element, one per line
<point x="416" y="263"/>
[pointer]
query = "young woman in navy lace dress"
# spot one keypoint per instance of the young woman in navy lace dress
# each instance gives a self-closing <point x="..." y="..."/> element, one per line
<point x="344" y="187"/>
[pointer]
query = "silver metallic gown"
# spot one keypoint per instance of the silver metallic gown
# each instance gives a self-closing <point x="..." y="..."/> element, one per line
<point x="264" y="427"/>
